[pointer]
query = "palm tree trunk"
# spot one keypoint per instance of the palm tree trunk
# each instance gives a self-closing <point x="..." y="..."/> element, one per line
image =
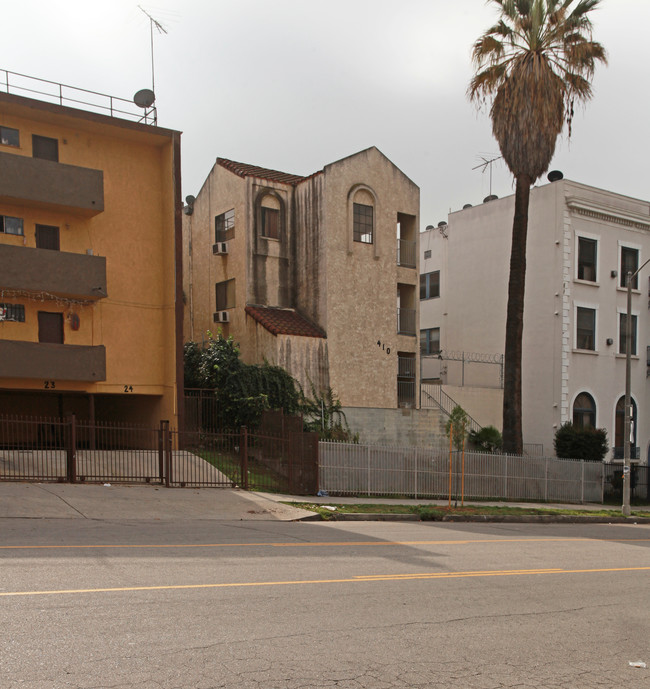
<point x="512" y="433"/>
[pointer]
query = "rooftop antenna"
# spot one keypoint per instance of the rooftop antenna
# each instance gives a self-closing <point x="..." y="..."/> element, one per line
<point x="160" y="29"/>
<point x="487" y="162"/>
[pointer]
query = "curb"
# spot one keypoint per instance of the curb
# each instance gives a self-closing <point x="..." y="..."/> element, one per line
<point x="482" y="518"/>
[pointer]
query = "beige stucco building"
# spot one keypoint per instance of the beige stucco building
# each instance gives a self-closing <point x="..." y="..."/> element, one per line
<point x="581" y="243"/>
<point x="317" y="274"/>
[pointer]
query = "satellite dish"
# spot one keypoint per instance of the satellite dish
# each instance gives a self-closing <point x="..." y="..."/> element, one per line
<point x="144" y="98"/>
<point x="189" y="200"/>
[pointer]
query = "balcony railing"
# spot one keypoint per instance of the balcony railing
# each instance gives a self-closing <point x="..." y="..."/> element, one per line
<point x="620" y="451"/>
<point x="406" y="253"/>
<point x="406" y="321"/>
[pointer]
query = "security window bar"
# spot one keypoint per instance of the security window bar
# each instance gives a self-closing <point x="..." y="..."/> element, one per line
<point x="10" y="225"/>
<point x="12" y="312"/>
<point x="430" y="341"/>
<point x="363" y="223"/>
<point x="9" y="136"/>
<point x="587" y="249"/>
<point x="586" y="328"/>
<point x="629" y="264"/>
<point x="430" y="285"/>
<point x="47" y="237"/>
<point x="224" y="226"/>
<point x="622" y="334"/>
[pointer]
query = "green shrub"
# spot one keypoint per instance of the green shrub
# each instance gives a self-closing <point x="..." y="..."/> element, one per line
<point x="572" y="442"/>
<point x="457" y="425"/>
<point x="488" y="439"/>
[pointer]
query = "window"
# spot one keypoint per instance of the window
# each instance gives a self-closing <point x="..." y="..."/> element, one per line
<point x="224" y="226"/>
<point x="430" y="341"/>
<point x="10" y="225"/>
<point x="225" y="294"/>
<point x="427" y="254"/>
<point x="585" y="328"/>
<point x="363" y="223"/>
<point x="12" y="312"/>
<point x="584" y="411"/>
<point x="270" y="223"/>
<point x="44" y="147"/>
<point x="9" y="136"/>
<point x="47" y="237"/>
<point x="430" y="285"/>
<point x="50" y="327"/>
<point x="629" y="264"/>
<point x="622" y="334"/>
<point x="587" y="249"/>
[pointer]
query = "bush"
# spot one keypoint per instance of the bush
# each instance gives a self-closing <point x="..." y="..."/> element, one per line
<point x="488" y="439"/>
<point x="572" y="442"/>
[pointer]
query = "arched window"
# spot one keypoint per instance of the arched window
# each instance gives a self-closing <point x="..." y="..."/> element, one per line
<point x="270" y="218"/>
<point x="584" y="411"/>
<point x="363" y="217"/>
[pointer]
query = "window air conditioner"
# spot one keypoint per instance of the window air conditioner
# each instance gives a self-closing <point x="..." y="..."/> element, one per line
<point x="220" y="248"/>
<point x="222" y="317"/>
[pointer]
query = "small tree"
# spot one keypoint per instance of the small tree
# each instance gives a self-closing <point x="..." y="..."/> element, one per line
<point x="323" y="413"/>
<point x="572" y="442"/>
<point x="457" y="425"/>
<point x="488" y="439"/>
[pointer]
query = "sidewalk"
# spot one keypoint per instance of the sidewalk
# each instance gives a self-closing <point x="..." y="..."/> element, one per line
<point x="137" y="502"/>
<point x="155" y="503"/>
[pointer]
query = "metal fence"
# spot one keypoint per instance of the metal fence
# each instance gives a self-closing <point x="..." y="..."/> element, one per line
<point x="349" y="469"/>
<point x="276" y="458"/>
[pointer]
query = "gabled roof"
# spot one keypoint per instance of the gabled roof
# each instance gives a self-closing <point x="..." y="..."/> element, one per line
<point x="245" y="170"/>
<point x="284" y="321"/>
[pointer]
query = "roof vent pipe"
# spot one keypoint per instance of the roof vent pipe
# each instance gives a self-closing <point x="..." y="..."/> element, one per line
<point x="491" y="197"/>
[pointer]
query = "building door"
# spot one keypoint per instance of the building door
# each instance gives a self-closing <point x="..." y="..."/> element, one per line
<point x="619" y="430"/>
<point x="50" y="327"/>
<point x="47" y="237"/>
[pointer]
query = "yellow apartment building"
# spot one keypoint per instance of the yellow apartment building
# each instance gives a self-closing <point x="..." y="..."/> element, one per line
<point x="90" y="265"/>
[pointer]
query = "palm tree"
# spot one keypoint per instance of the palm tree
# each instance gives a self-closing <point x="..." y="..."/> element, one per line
<point x="534" y="64"/>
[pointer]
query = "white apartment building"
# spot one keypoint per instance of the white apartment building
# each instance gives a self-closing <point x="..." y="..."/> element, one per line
<point x="582" y="241"/>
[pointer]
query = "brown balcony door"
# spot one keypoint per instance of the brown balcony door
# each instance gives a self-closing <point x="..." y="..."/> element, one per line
<point x="50" y="327"/>
<point x="44" y="147"/>
<point x="47" y="237"/>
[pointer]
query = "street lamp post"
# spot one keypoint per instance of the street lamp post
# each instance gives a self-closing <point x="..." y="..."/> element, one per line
<point x="628" y="393"/>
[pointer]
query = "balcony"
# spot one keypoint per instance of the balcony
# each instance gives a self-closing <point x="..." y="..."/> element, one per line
<point x="52" y="362"/>
<point x="406" y="321"/>
<point x="47" y="184"/>
<point x="619" y="452"/>
<point x="57" y="272"/>
<point x="406" y="253"/>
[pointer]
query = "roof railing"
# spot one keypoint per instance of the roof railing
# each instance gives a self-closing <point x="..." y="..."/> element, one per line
<point x="62" y="94"/>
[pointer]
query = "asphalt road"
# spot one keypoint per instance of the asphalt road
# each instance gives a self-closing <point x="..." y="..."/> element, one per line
<point x="271" y="604"/>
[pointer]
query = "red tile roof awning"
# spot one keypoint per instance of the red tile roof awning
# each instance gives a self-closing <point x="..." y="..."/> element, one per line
<point x="284" y="321"/>
<point x="245" y="170"/>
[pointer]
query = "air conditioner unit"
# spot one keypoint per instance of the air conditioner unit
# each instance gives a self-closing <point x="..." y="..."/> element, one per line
<point x="220" y="248"/>
<point x="222" y="317"/>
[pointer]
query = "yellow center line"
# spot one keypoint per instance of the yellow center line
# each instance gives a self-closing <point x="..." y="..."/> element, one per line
<point x="323" y="544"/>
<point x="350" y="580"/>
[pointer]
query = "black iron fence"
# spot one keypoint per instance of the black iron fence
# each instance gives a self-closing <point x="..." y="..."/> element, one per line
<point x="276" y="458"/>
<point x="639" y="484"/>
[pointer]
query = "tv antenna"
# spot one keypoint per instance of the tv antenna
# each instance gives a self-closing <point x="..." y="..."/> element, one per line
<point x="487" y="163"/>
<point x="160" y="29"/>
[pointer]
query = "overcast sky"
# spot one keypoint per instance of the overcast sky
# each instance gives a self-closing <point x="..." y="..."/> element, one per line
<point x="296" y="84"/>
